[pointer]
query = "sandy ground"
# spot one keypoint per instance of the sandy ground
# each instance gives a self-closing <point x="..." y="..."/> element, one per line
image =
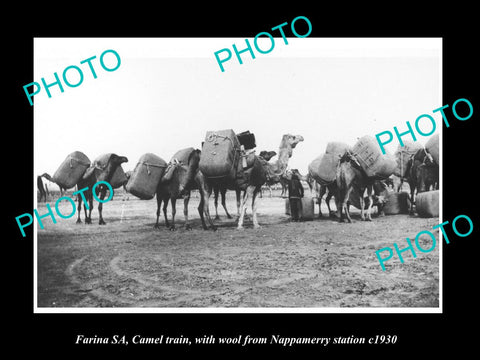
<point x="319" y="263"/>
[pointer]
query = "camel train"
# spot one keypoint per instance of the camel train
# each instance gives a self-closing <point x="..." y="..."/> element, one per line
<point x="227" y="161"/>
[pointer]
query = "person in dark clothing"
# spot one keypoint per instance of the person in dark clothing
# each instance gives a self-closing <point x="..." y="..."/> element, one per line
<point x="295" y="195"/>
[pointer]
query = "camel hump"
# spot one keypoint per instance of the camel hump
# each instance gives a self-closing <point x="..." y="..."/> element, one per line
<point x="182" y="155"/>
<point x="220" y="154"/>
<point x="71" y="170"/>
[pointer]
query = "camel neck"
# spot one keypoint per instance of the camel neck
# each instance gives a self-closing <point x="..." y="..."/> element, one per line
<point x="284" y="154"/>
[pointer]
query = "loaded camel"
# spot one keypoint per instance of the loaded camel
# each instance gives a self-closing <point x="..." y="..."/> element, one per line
<point x="181" y="176"/>
<point x="266" y="155"/>
<point x="41" y="188"/>
<point x="49" y="178"/>
<point x="92" y="175"/>
<point x="254" y="177"/>
<point x="349" y="175"/>
<point x="421" y="174"/>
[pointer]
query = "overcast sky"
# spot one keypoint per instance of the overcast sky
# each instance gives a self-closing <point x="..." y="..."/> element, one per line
<point x="168" y="92"/>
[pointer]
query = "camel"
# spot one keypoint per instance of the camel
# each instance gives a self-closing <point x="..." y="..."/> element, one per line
<point x="252" y="179"/>
<point x="179" y="179"/>
<point x="421" y="173"/>
<point x="266" y="155"/>
<point x="91" y="176"/>
<point x="41" y="188"/>
<point x="49" y="178"/>
<point x="349" y="175"/>
<point x="261" y="171"/>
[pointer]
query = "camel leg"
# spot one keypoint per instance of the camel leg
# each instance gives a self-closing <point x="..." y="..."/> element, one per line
<point x="344" y="205"/>
<point x="215" y="202"/>
<point x="327" y="200"/>
<point x="173" y="202"/>
<point x="159" y="203"/>
<point x="186" y="199"/>
<point x="103" y="192"/>
<point x="223" y="193"/>
<point x="244" y="206"/>
<point x="412" y="194"/>
<point x="200" y="210"/>
<point x="254" y="208"/>
<point x="207" y="192"/>
<point x="79" y="210"/>
<point x="165" y="206"/>
<point x="370" y="199"/>
<point x="362" y="205"/>
<point x="237" y="194"/>
<point x="88" y="220"/>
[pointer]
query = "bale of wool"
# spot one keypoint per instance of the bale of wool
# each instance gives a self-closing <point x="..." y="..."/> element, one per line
<point x="71" y="169"/>
<point x="397" y="203"/>
<point x="427" y="203"/>
<point x="220" y="154"/>
<point x="432" y="146"/>
<point x="118" y="179"/>
<point x="324" y="168"/>
<point x="145" y="177"/>
<point x="403" y="154"/>
<point x="308" y="208"/>
<point x="373" y="162"/>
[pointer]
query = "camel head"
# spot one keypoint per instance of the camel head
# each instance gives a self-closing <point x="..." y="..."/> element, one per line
<point x="291" y="140"/>
<point x="267" y="155"/>
<point x="113" y="163"/>
<point x="348" y="156"/>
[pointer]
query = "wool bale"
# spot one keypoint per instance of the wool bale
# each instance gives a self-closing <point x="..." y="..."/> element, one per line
<point x="397" y="203"/>
<point x="220" y="154"/>
<point x="433" y="148"/>
<point x="403" y="154"/>
<point x="100" y="163"/>
<point x="427" y="203"/>
<point x="145" y="177"/>
<point x="71" y="169"/>
<point x="372" y="160"/>
<point x="308" y="208"/>
<point x="324" y="168"/>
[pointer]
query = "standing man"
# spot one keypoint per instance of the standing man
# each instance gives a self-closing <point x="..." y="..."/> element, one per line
<point x="295" y="195"/>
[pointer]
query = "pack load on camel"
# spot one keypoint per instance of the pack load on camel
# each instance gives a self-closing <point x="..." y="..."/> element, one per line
<point x="432" y="147"/>
<point x="403" y="154"/>
<point x="220" y="154"/>
<point x="71" y="170"/>
<point x="324" y="168"/>
<point x="145" y="177"/>
<point x="373" y="162"/>
<point x="100" y="163"/>
<point x="225" y="155"/>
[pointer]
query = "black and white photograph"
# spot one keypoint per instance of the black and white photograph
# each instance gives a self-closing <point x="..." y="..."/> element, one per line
<point x="262" y="187"/>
